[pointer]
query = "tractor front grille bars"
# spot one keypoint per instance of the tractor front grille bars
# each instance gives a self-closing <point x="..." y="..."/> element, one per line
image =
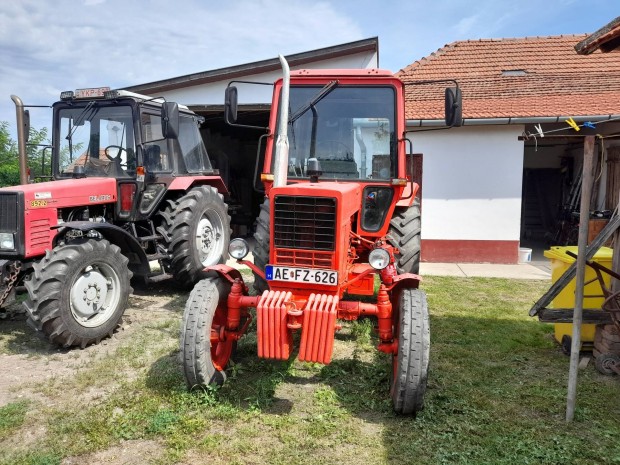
<point x="306" y="223"/>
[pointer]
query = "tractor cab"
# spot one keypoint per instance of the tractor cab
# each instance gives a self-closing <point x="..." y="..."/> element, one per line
<point x="123" y="135"/>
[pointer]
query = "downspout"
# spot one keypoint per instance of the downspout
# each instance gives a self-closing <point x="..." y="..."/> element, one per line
<point x="21" y="140"/>
<point x="281" y="152"/>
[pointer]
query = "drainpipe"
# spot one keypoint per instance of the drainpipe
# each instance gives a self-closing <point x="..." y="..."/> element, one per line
<point x="281" y="155"/>
<point x="21" y="140"/>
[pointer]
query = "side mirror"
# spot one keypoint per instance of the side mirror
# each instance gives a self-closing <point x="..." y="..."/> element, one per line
<point x="26" y="125"/>
<point x="454" y="107"/>
<point x="230" y="105"/>
<point x="170" y="120"/>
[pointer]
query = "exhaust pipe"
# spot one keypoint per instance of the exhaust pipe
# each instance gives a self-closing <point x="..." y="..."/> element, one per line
<point x="22" y="138"/>
<point x="281" y="154"/>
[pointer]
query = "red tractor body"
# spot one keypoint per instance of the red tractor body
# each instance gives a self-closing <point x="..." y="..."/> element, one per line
<point x="340" y="220"/>
<point x="131" y="184"/>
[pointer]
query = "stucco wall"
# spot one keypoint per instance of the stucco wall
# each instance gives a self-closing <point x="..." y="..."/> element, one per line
<point x="472" y="179"/>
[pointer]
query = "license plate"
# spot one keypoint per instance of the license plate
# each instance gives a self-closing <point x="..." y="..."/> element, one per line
<point x="301" y="275"/>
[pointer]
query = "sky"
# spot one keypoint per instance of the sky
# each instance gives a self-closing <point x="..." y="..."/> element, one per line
<point x="48" y="47"/>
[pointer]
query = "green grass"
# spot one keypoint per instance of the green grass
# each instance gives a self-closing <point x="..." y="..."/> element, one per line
<point x="12" y="416"/>
<point x="496" y="395"/>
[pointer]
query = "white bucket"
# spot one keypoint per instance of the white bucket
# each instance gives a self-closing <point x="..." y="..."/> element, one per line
<point x="525" y="255"/>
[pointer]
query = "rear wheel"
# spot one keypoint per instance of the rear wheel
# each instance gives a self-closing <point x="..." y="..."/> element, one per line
<point x="261" y="249"/>
<point x="78" y="292"/>
<point x="196" y="230"/>
<point x="404" y="234"/>
<point x="410" y="363"/>
<point x="205" y="356"/>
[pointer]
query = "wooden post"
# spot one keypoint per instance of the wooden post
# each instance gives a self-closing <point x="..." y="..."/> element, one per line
<point x="584" y="219"/>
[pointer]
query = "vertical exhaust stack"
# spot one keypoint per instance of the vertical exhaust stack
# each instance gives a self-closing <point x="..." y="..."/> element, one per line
<point x="21" y="140"/>
<point x="281" y="156"/>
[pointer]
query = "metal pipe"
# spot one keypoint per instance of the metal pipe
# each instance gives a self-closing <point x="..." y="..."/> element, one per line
<point x="281" y="154"/>
<point x="21" y="140"/>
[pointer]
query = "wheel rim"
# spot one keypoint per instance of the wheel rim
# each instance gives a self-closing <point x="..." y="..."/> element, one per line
<point x="209" y="234"/>
<point x="95" y="295"/>
<point x="221" y="350"/>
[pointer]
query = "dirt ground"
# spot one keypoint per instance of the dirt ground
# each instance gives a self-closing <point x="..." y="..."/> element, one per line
<point x="28" y="363"/>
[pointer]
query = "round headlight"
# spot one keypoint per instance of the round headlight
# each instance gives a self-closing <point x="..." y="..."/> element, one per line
<point x="238" y="248"/>
<point x="379" y="259"/>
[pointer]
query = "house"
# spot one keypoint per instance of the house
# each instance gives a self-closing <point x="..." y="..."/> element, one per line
<point x="496" y="183"/>
<point x="488" y="187"/>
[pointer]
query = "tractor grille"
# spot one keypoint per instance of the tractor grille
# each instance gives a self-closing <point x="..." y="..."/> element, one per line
<point x="8" y="212"/>
<point x="307" y="223"/>
<point x="40" y="233"/>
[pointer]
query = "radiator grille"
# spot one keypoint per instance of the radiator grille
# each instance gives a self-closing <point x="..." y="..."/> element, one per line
<point x="307" y="223"/>
<point x="8" y="212"/>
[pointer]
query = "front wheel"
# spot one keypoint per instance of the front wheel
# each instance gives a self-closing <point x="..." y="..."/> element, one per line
<point x="78" y="292"/>
<point x="204" y="354"/>
<point x="410" y="363"/>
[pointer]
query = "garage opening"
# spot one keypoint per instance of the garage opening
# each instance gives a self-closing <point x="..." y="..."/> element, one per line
<point x="551" y="195"/>
<point x="234" y="152"/>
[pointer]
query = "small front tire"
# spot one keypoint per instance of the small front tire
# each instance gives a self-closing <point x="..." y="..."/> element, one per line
<point x="204" y="355"/>
<point x="410" y="363"/>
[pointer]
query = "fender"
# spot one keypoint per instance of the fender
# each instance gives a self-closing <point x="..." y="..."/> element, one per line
<point x="228" y="273"/>
<point x="183" y="183"/>
<point x="408" y="196"/>
<point x="129" y="245"/>
<point x="405" y="280"/>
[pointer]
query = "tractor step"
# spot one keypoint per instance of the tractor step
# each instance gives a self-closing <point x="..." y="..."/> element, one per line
<point x="156" y="278"/>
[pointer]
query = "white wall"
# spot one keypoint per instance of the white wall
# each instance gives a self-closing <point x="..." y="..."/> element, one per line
<point x="213" y="93"/>
<point x="471" y="182"/>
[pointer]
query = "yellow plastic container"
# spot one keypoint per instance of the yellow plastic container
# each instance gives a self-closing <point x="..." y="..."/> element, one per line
<point x="593" y="294"/>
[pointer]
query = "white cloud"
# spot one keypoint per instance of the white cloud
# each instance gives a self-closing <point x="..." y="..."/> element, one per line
<point x="53" y="46"/>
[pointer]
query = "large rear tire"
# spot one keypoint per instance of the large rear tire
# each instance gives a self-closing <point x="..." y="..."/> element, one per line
<point x="78" y="292"/>
<point x="196" y="231"/>
<point x="404" y="234"/>
<point x="410" y="363"/>
<point x="204" y="355"/>
<point x="261" y="249"/>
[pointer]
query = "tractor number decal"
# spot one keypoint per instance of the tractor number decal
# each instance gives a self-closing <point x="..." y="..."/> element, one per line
<point x="99" y="198"/>
<point x="38" y="203"/>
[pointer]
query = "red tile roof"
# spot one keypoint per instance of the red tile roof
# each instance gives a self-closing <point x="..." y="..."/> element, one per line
<point x="527" y="77"/>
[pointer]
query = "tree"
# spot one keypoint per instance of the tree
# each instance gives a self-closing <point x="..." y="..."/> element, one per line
<point x="9" y="165"/>
<point x="38" y="156"/>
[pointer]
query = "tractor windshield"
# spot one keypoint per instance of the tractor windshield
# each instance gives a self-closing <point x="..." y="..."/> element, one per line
<point x="350" y="130"/>
<point x="95" y="140"/>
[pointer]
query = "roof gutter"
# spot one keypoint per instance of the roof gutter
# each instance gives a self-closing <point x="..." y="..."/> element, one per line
<point x="517" y="120"/>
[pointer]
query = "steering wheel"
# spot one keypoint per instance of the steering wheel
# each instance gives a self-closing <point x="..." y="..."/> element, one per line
<point x="335" y="148"/>
<point x="118" y="154"/>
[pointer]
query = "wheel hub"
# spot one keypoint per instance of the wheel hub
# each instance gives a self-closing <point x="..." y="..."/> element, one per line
<point x="207" y="239"/>
<point x="92" y="297"/>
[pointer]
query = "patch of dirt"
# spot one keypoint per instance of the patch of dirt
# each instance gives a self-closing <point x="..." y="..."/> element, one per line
<point x="26" y="359"/>
<point x="125" y="453"/>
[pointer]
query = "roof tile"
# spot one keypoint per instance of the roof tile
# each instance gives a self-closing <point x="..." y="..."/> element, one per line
<point x="558" y="81"/>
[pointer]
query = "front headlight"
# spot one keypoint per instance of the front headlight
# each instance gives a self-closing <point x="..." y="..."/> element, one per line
<point x="238" y="248"/>
<point x="7" y="241"/>
<point x="379" y="259"/>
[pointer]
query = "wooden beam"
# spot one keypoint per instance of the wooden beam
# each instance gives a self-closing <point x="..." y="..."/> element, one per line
<point x="584" y="220"/>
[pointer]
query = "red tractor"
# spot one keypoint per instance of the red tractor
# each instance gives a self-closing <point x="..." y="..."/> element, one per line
<point x="131" y="185"/>
<point x="340" y="220"/>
